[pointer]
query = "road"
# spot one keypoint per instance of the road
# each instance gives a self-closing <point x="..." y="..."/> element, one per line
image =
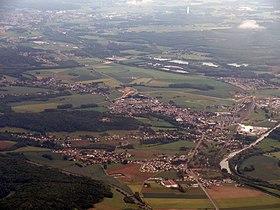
<point x="205" y="191"/>
<point x="224" y="164"/>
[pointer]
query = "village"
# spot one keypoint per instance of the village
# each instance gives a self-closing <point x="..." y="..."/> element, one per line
<point x="209" y="129"/>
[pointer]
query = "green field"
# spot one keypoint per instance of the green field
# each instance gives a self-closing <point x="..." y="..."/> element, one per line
<point x="174" y="146"/>
<point x="76" y="100"/>
<point x="21" y="90"/>
<point x="168" y="174"/>
<point x="156" y="190"/>
<point x="186" y="97"/>
<point x="156" y="123"/>
<point x="266" y="168"/>
<point x="167" y="203"/>
<point x="36" y="107"/>
<point x="115" y="203"/>
<point x="260" y="118"/>
<point x="68" y="74"/>
<point x="268" y="92"/>
<point x="249" y="203"/>
<point x="268" y="144"/>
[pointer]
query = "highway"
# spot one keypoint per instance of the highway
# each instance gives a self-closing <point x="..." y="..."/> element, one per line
<point x="224" y="164"/>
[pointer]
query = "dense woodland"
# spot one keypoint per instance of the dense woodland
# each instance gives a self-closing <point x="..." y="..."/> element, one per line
<point x="28" y="186"/>
<point x="202" y="87"/>
<point x="68" y="121"/>
<point x="275" y="134"/>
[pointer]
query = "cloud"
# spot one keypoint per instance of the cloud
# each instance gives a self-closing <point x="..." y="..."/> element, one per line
<point x="250" y="25"/>
<point x="138" y="2"/>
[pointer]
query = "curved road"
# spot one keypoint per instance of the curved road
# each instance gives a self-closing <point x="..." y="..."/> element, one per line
<point x="224" y="164"/>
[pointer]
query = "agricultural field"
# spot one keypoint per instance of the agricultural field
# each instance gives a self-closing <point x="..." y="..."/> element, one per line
<point x="4" y="145"/>
<point x="22" y="90"/>
<point x="170" y="203"/>
<point x="230" y="197"/>
<point x="76" y="100"/>
<point x="188" y="98"/>
<point x="33" y="107"/>
<point x="129" y="173"/>
<point x="156" y="190"/>
<point x="126" y="74"/>
<point x="156" y="123"/>
<point x="172" y="174"/>
<point x="151" y="150"/>
<point x="67" y="75"/>
<point x="175" y="146"/>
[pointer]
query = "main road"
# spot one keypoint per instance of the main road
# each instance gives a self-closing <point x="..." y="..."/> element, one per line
<point x="224" y="164"/>
<point x="205" y="191"/>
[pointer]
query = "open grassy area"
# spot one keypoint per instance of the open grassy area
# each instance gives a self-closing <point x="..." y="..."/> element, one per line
<point x="76" y="100"/>
<point x="36" y="107"/>
<point x="135" y="187"/>
<point x="268" y="92"/>
<point x="260" y="118"/>
<point x="129" y="173"/>
<point x="266" y="168"/>
<point x="268" y="144"/>
<point x="172" y="174"/>
<point x="275" y="155"/>
<point x="151" y="150"/>
<point x="21" y="90"/>
<point x="68" y="74"/>
<point x="156" y="122"/>
<point x="174" y="146"/>
<point x="156" y="190"/>
<point x="252" y="203"/>
<point x="186" y="97"/>
<point x="115" y="203"/>
<point x="167" y="203"/>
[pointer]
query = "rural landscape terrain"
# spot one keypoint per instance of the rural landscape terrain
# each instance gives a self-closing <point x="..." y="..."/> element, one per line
<point x="140" y="104"/>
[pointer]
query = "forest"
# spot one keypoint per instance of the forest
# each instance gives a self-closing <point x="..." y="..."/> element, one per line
<point x="68" y="121"/>
<point x="28" y="186"/>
